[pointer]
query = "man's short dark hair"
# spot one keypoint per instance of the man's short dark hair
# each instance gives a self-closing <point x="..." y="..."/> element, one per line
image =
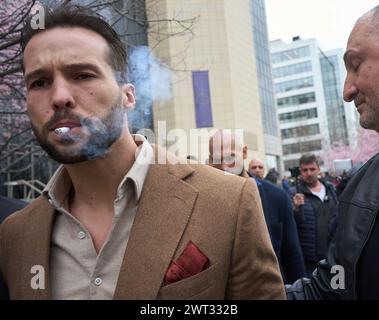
<point x="70" y="15"/>
<point x="308" y="159"/>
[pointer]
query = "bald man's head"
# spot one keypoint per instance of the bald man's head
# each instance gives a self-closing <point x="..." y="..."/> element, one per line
<point x="257" y="168"/>
<point x="227" y="152"/>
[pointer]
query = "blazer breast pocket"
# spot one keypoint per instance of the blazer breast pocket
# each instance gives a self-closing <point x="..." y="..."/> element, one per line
<point x="188" y="287"/>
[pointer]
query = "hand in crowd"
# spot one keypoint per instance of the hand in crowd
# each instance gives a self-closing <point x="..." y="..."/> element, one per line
<point x="298" y="200"/>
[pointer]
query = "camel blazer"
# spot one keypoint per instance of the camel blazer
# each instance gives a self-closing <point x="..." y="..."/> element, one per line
<point x="221" y="214"/>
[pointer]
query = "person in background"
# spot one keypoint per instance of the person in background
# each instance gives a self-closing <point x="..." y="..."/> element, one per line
<point x="10" y="205"/>
<point x="286" y="184"/>
<point x="276" y="204"/>
<point x="256" y="168"/>
<point x="7" y="207"/>
<point x="272" y="176"/>
<point x="314" y="201"/>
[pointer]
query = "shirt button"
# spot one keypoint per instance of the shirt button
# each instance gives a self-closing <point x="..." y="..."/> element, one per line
<point x="98" y="281"/>
<point x="81" y="234"/>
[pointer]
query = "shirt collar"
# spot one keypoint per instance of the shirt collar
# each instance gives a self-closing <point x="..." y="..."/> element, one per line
<point x="138" y="172"/>
<point x="60" y="183"/>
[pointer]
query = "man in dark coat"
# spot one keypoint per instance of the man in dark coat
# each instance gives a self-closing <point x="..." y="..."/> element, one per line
<point x="351" y="268"/>
<point x="314" y="204"/>
<point x="277" y="207"/>
<point x="8" y="206"/>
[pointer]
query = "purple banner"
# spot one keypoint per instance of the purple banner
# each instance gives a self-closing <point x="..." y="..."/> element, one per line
<point x="201" y="92"/>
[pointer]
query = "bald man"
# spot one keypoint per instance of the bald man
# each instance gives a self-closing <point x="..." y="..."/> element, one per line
<point x="227" y="153"/>
<point x="257" y="168"/>
<point x="350" y="270"/>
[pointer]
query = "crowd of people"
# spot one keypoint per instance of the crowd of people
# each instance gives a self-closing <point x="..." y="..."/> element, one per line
<point x="119" y="221"/>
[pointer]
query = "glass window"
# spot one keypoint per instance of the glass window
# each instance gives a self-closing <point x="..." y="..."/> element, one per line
<point x="301" y="131"/>
<point x="296" y="100"/>
<point x="298" y="115"/>
<point x="302" y="147"/>
<point x="294" y="84"/>
<point x="291" y="54"/>
<point x="292" y="69"/>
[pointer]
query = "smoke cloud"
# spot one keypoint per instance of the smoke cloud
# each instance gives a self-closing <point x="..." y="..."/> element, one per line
<point x="152" y="80"/>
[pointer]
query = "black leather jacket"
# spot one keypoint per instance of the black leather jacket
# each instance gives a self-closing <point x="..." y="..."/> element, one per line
<point x="357" y="210"/>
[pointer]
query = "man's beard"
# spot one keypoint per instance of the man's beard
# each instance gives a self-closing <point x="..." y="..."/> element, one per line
<point x="102" y="134"/>
<point x="369" y="119"/>
<point x="311" y="182"/>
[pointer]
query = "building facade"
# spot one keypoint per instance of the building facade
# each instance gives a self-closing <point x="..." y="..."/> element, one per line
<point x="344" y="124"/>
<point x="221" y="73"/>
<point x="214" y="80"/>
<point x="308" y="86"/>
<point x="272" y="139"/>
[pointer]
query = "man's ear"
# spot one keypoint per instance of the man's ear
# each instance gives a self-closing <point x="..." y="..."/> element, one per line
<point x="128" y="96"/>
<point x="244" y="152"/>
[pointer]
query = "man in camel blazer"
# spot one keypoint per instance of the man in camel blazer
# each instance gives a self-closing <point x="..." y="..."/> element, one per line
<point x="117" y="220"/>
<point x="178" y="204"/>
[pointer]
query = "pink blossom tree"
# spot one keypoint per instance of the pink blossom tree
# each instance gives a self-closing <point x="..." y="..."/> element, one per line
<point x="367" y="146"/>
<point x="12" y="91"/>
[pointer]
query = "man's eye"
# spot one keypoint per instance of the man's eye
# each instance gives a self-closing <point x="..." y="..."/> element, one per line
<point x="40" y="83"/>
<point x="83" y="76"/>
<point x="355" y="64"/>
<point x="356" y="67"/>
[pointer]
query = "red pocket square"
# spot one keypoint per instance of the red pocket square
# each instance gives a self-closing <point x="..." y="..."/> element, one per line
<point x="192" y="261"/>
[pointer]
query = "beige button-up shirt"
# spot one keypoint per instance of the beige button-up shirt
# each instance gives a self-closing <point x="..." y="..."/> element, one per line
<point x="76" y="270"/>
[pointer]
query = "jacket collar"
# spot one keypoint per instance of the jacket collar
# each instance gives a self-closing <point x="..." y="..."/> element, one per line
<point x="304" y="188"/>
<point x="362" y="189"/>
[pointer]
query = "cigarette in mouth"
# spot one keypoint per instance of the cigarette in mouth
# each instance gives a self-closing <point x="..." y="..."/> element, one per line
<point x="62" y="130"/>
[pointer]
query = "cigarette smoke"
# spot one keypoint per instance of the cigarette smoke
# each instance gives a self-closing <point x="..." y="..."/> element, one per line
<point x="152" y="80"/>
<point x="100" y="134"/>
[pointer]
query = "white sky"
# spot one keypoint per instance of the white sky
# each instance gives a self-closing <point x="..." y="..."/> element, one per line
<point x="329" y="21"/>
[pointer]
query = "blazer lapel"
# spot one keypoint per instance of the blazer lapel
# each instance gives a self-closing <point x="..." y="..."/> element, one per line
<point x="165" y="207"/>
<point x="36" y="250"/>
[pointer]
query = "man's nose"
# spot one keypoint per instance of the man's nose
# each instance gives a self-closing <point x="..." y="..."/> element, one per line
<point x="62" y="95"/>
<point x="350" y="90"/>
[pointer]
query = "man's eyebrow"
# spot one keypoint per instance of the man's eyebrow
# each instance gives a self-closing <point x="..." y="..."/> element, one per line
<point x="71" y="66"/>
<point x="34" y="73"/>
<point x="76" y="66"/>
